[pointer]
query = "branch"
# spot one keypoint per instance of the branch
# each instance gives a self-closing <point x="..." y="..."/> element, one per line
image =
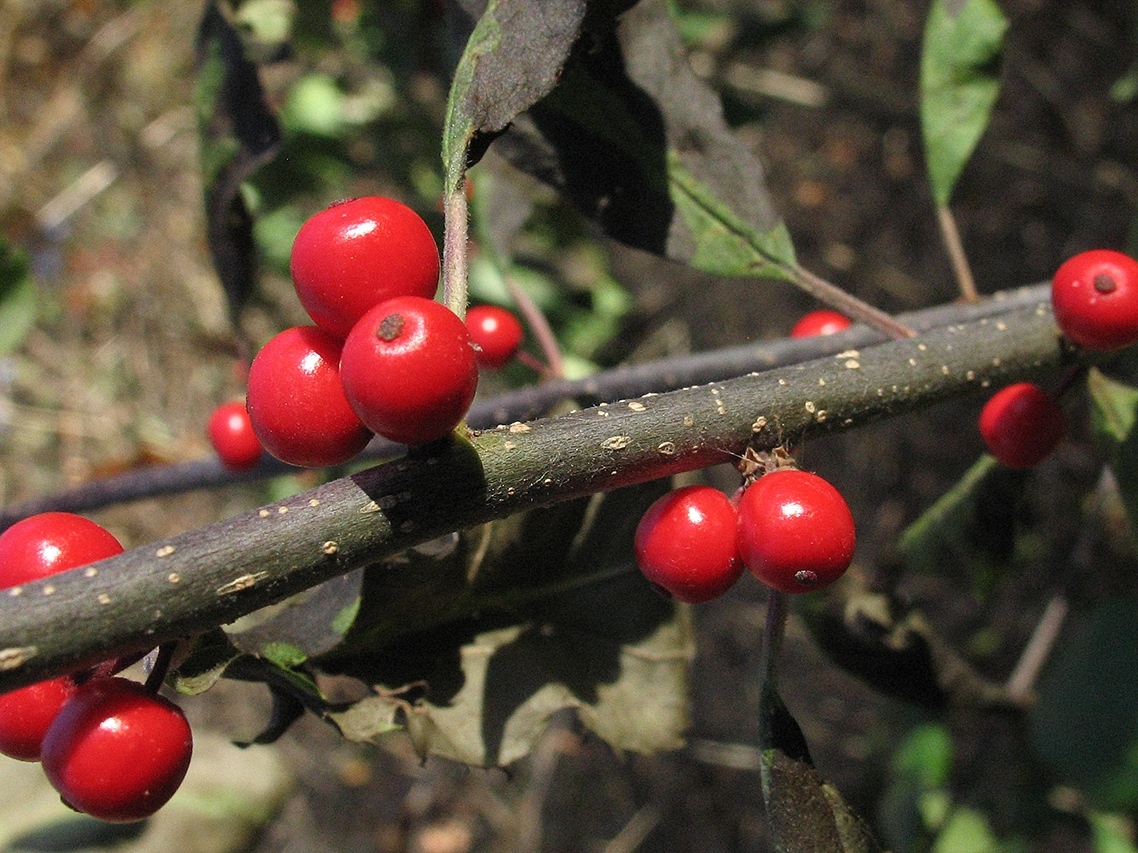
<point x="529" y="403"/>
<point x="207" y="577"/>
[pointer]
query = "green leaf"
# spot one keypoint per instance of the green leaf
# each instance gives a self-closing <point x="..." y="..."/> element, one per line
<point x="966" y="831"/>
<point x="960" y="59"/>
<point x="1114" y="414"/>
<point x="804" y="811"/>
<point x="18" y="303"/>
<point x="725" y="243"/>
<point x="917" y="801"/>
<point x="308" y="624"/>
<point x="209" y="656"/>
<point x="1085" y="722"/>
<point x="1111" y="833"/>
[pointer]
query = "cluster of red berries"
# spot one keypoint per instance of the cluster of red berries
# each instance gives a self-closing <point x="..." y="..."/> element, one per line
<point x="111" y="747"/>
<point x="383" y="356"/>
<point x="792" y="529"/>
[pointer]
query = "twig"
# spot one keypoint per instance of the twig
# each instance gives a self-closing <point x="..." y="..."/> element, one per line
<point x="531" y="402"/>
<point x="1022" y="681"/>
<point x="956" y="255"/>
<point x="195" y="581"/>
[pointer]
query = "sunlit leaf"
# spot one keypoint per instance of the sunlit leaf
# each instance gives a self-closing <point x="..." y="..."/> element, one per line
<point x="960" y="60"/>
<point x="635" y="140"/>
<point x="511" y="60"/>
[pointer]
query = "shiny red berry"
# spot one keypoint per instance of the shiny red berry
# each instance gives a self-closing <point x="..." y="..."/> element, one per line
<point x="358" y="253"/>
<point x="496" y="332"/>
<point x="231" y="433"/>
<point x="822" y="322"/>
<point x="409" y="370"/>
<point x="296" y="401"/>
<point x="685" y="544"/>
<point x="116" y="751"/>
<point x="51" y="542"/>
<point x="1021" y="425"/>
<point x="27" y="712"/>
<point x="32" y="549"/>
<point x="1095" y="299"/>
<point x="796" y="533"/>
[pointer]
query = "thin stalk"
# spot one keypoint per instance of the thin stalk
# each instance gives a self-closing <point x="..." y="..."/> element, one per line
<point x="455" y="237"/>
<point x="956" y="255"/>
<point x="553" y="367"/>
<point x="856" y="309"/>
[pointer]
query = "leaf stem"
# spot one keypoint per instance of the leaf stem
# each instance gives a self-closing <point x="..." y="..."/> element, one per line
<point x="956" y="255"/>
<point x="840" y="300"/>
<point x="455" y="237"/>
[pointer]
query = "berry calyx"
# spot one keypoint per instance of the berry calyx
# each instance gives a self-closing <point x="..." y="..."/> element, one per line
<point x="1021" y="425"/>
<point x="231" y="433"/>
<point x="26" y="714"/>
<point x="51" y="542"/>
<point x="117" y="752"/>
<point x="685" y="544"/>
<point x="821" y="322"/>
<point x="496" y="332"/>
<point x="409" y="370"/>
<point x="1095" y="299"/>
<point x="795" y="532"/>
<point x="358" y="253"/>
<point x="296" y="401"/>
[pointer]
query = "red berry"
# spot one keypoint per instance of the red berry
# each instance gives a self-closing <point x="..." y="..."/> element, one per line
<point x="796" y="533"/>
<point x="358" y="253"/>
<point x="32" y="549"/>
<point x="297" y="403"/>
<point x="27" y="712"/>
<point x="1095" y="299"/>
<point x="231" y="434"/>
<point x="116" y="751"/>
<point x="685" y="544"/>
<point x="496" y="332"/>
<point x="1021" y="425"/>
<point x="823" y="322"/>
<point x="409" y="370"/>
<point x="51" y="542"/>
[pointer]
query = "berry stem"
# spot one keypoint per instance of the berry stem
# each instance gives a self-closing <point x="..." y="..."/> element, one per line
<point x="774" y="632"/>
